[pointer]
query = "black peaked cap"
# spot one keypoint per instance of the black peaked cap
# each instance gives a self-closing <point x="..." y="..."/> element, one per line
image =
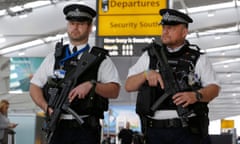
<point x="174" y="17"/>
<point x="78" y="12"/>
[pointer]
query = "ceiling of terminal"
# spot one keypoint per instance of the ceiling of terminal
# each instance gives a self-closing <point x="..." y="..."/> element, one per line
<point x="212" y="28"/>
<point x="11" y="3"/>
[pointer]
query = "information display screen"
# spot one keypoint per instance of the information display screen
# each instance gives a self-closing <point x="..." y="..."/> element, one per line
<point x="21" y="71"/>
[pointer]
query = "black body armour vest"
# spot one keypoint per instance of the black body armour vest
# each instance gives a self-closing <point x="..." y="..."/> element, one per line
<point x="95" y="105"/>
<point x="183" y="64"/>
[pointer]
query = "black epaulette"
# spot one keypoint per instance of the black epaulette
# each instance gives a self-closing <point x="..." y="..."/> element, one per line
<point x="97" y="51"/>
<point x="193" y="47"/>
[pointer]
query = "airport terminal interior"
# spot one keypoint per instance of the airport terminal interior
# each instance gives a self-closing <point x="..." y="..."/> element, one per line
<point x="29" y="30"/>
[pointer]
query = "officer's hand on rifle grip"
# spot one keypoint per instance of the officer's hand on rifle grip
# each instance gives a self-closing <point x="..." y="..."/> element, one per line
<point x="153" y="78"/>
<point x="49" y="110"/>
<point x="184" y="98"/>
<point x="80" y="91"/>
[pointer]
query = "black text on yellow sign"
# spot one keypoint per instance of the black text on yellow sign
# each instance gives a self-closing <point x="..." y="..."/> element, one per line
<point x="112" y="7"/>
<point x="130" y="26"/>
<point x="129" y="17"/>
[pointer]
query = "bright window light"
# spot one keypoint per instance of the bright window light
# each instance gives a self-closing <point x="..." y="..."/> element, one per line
<point x="21" y="54"/>
<point x="225" y="66"/>
<point x="23" y="16"/>
<point x="213" y="32"/>
<point x="94" y="28"/>
<point x="221" y="30"/>
<point x="227" y="61"/>
<point x="81" y="2"/>
<point x="3" y="12"/>
<point x="217" y="37"/>
<point x="36" y="4"/>
<point x="19" y="91"/>
<point x="14" y="76"/>
<point x="27" y="6"/>
<point x="12" y="67"/>
<point x="211" y="15"/>
<point x="224" y="48"/>
<point x="2" y="40"/>
<point x="22" y="46"/>
<point x="55" y="38"/>
<point x="210" y="7"/>
<point x="16" y="8"/>
<point x="228" y="75"/>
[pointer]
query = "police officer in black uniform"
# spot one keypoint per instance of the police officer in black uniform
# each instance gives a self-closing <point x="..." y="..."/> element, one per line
<point x="191" y="68"/>
<point x="101" y="80"/>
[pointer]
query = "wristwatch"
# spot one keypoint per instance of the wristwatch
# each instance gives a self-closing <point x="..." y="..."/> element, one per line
<point x="93" y="82"/>
<point x="198" y="95"/>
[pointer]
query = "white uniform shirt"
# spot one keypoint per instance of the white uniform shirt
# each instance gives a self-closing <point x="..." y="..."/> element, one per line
<point x="203" y="69"/>
<point x="107" y="71"/>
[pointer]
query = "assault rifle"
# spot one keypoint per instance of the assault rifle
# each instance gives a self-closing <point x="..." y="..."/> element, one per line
<point x="59" y="99"/>
<point x="171" y="85"/>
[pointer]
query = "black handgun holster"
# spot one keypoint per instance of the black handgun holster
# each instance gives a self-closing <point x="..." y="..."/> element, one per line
<point x="145" y="100"/>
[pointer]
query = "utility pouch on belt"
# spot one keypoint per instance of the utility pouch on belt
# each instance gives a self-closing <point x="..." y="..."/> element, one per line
<point x="50" y="89"/>
<point x="145" y="100"/>
<point x="199" y="125"/>
<point x="95" y="102"/>
<point x="92" y="104"/>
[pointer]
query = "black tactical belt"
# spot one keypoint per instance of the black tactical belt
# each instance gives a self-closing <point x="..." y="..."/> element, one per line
<point x="90" y="121"/>
<point x="166" y="123"/>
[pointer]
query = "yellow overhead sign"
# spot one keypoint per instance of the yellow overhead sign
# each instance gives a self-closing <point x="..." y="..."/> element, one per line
<point x="112" y="7"/>
<point x="227" y="123"/>
<point x="130" y="26"/>
<point x="129" y="17"/>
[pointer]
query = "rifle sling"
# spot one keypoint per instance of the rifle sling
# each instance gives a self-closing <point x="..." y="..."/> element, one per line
<point x="83" y="64"/>
<point x="162" y="59"/>
<point x="67" y="84"/>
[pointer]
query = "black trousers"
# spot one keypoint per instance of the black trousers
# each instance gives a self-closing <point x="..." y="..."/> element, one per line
<point x="72" y="133"/>
<point x="172" y="136"/>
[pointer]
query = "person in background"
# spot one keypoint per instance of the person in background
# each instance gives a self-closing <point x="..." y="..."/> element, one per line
<point x="5" y="124"/>
<point x="191" y="68"/>
<point x="126" y="134"/>
<point x="102" y="78"/>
